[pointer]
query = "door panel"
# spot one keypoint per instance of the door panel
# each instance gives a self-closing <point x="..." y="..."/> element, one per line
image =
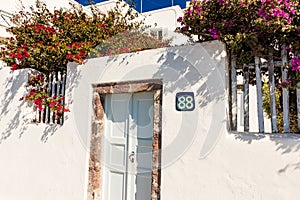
<point x="128" y="147"/>
<point x="142" y="116"/>
<point x="115" y="146"/>
<point x="117" y="155"/>
<point x="116" y="181"/>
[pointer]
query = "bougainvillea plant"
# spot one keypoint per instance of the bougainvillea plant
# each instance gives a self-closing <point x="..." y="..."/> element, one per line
<point x="46" y="41"/>
<point x="251" y="28"/>
<point x="41" y="99"/>
<point x="248" y="27"/>
<point x="128" y="41"/>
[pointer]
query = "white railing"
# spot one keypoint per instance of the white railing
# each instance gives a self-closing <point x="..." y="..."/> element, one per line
<point x="269" y="65"/>
<point x="56" y="87"/>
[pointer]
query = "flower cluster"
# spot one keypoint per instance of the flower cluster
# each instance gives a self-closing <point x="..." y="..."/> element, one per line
<point x="248" y="28"/>
<point x="282" y="9"/>
<point x="37" y="97"/>
<point x="42" y="99"/>
<point x="17" y="55"/>
<point x="244" y="25"/>
<point x="41" y="28"/>
<point x="55" y="105"/>
<point x="46" y="41"/>
<point x="77" y="51"/>
<point x="36" y="81"/>
<point x="285" y="84"/>
<point x="295" y="63"/>
<point x="128" y="41"/>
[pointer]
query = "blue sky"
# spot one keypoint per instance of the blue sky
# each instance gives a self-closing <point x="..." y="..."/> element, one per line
<point x="147" y="5"/>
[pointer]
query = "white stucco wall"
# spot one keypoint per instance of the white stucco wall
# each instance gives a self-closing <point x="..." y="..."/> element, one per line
<point x="13" y="6"/>
<point x="200" y="159"/>
<point x="37" y="161"/>
<point x="164" y="19"/>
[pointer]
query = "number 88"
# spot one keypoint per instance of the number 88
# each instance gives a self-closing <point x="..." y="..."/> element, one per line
<point x="185" y="102"/>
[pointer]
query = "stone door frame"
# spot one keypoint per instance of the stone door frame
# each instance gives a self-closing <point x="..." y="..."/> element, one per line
<point x="95" y="166"/>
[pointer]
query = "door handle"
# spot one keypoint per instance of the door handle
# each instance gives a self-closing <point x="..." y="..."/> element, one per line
<point x="131" y="156"/>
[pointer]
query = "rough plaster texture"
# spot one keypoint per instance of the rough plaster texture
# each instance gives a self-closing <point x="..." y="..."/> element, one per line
<point x="200" y="159"/>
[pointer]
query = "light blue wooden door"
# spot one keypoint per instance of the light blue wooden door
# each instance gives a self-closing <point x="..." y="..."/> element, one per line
<point x="127" y="152"/>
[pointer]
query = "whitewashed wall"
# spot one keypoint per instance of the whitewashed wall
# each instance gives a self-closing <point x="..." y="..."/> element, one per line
<point x="164" y="20"/>
<point x="13" y="6"/>
<point x="37" y="161"/>
<point x="200" y="159"/>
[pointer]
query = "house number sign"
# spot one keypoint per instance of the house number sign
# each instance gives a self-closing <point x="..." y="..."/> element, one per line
<point x="185" y="101"/>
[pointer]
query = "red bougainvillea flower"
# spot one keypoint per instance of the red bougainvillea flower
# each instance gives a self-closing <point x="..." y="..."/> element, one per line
<point x="14" y="67"/>
<point x="103" y="25"/>
<point x="46" y="40"/>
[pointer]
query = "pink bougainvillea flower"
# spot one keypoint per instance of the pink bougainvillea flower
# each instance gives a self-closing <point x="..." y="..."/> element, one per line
<point x="295" y="63"/>
<point x="214" y="32"/>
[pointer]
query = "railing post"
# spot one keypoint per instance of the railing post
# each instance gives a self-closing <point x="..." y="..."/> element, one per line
<point x="260" y="113"/>
<point x="285" y="92"/>
<point x="64" y="75"/>
<point x="246" y="98"/>
<point x="298" y="104"/>
<point x="233" y="93"/>
<point x="272" y="92"/>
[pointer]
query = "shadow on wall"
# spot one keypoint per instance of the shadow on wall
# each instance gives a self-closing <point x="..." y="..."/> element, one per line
<point x="12" y="89"/>
<point x="184" y="77"/>
<point x="15" y="115"/>
<point x="49" y="131"/>
<point x="72" y="82"/>
<point x="179" y="72"/>
<point x="285" y="143"/>
<point x="73" y="78"/>
<point x="184" y="74"/>
<point x="291" y="166"/>
<point x="12" y="83"/>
